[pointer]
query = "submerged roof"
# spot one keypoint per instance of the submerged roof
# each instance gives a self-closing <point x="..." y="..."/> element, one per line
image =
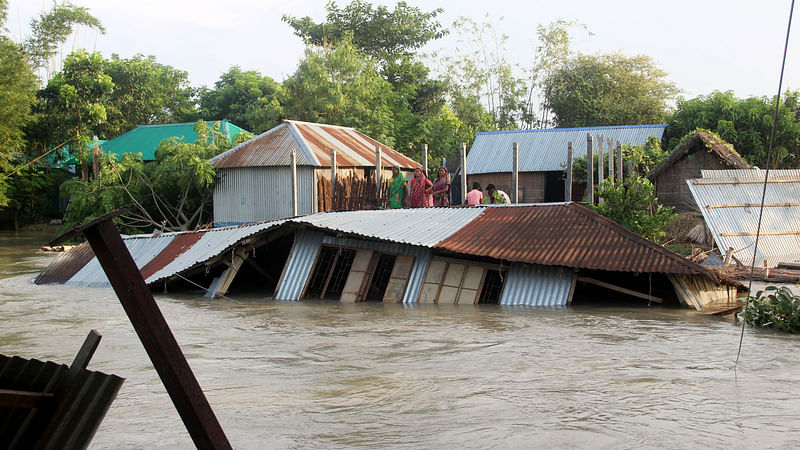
<point x="706" y="142"/>
<point x="565" y="235"/>
<point x="730" y="207"/>
<point x="546" y="149"/>
<point x="145" y="139"/>
<point x="312" y="143"/>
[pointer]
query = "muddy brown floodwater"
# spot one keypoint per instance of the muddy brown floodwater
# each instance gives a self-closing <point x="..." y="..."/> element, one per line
<point x="330" y="375"/>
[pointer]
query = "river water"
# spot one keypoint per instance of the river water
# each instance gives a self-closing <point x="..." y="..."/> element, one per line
<point x="330" y="375"/>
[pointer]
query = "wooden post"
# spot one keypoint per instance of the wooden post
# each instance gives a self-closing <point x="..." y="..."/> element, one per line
<point x="610" y="145"/>
<point x="600" y="162"/>
<point x="425" y="159"/>
<point x="620" y="176"/>
<point x="728" y="256"/>
<point x="152" y="329"/>
<point x="378" y="169"/>
<point x="568" y="183"/>
<point x="463" y="172"/>
<point x="96" y="153"/>
<point x="333" y="180"/>
<point x="515" y="172"/>
<point x="294" y="183"/>
<point x="589" y="168"/>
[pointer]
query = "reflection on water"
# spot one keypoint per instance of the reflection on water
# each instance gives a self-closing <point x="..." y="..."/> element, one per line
<point x="324" y="374"/>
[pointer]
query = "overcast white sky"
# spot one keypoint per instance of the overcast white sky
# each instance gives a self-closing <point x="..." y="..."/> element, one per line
<point x="704" y="45"/>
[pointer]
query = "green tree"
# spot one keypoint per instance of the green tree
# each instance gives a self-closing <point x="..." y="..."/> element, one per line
<point x="172" y="194"/>
<point x="745" y="123"/>
<point x="376" y="31"/>
<point x="633" y="205"/>
<point x="53" y="27"/>
<point x="608" y="90"/>
<point x="248" y="99"/>
<point x="341" y="86"/>
<point x="145" y="92"/>
<point x="642" y="158"/>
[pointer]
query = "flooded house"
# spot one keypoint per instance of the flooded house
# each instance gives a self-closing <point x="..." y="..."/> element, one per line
<point x="554" y="254"/>
<point x="256" y="177"/>
<point x="543" y="156"/>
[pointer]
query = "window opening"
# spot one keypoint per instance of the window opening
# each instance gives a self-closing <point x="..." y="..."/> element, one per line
<point x="325" y="261"/>
<point x="380" y="278"/>
<point x="492" y="287"/>
<point x="338" y="275"/>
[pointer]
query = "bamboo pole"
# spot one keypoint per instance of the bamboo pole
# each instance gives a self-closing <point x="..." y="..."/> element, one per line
<point x="333" y="180"/>
<point x="610" y="146"/>
<point x="463" y="172"/>
<point x="589" y="169"/>
<point x="620" y="175"/>
<point x="294" y="183"/>
<point x="425" y="159"/>
<point x="568" y="184"/>
<point x="378" y="169"/>
<point x="515" y="172"/>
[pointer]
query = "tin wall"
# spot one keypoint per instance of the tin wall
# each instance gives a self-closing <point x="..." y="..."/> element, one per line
<point x="298" y="267"/>
<point x="534" y="285"/>
<point x="254" y="194"/>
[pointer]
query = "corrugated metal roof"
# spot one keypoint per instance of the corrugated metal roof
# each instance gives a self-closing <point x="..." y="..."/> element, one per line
<point x="567" y="235"/>
<point x="66" y="265"/>
<point x="313" y="142"/>
<point x="730" y="207"/>
<point x="528" y="285"/>
<point x="83" y="405"/>
<point x="546" y="150"/>
<point x="421" y="226"/>
<point x="750" y="173"/>
<point x="145" y="139"/>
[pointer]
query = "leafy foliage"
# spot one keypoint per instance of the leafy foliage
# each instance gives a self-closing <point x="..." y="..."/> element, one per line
<point x="375" y="31"/>
<point x="774" y="308"/>
<point x="745" y="123"/>
<point x="643" y="158"/>
<point x="172" y="194"/>
<point x="608" y="90"/>
<point x="634" y="206"/>
<point x="248" y="99"/>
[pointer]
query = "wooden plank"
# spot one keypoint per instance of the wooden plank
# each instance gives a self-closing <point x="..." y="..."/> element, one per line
<point x="23" y="399"/>
<point x="623" y="290"/>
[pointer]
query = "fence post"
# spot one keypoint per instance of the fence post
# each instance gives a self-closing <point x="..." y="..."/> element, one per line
<point x="589" y="168"/>
<point x="600" y="162"/>
<point x="610" y="145"/>
<point x="425" y="159"/>
<point x="568" y="184"/>
<point x="463" y="172"/>
<point x="378" y="169"/>
<point x="515" y="172"/>
<point x="294" y="183"/>
<point x="333" y="180"/>
<point x="620" y="175"/>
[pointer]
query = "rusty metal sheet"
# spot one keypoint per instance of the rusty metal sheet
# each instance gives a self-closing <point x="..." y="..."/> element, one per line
<point x="173" y="250"/>
<point x="567" y="235"/>
<point x="271" y="148"/>
<point x="66" y="265"/>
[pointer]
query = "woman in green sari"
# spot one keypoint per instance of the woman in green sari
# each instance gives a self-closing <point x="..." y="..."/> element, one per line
<point x="398" y="189"/>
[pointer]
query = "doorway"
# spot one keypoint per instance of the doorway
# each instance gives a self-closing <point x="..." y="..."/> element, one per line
<point x="330" y="273"/>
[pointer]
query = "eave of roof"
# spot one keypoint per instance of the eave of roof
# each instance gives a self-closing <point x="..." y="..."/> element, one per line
<point x="700" y="140"/>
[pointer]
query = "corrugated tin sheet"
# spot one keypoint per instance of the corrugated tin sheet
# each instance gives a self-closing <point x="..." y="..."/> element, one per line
<point x="212" y="243"/>
<point x="298" y="267"/>
<point x="313" y="143"/>
<point x="534" y="285"/>
<point x="422" y="226"/>
<point x="731" y="206"/>
<point x="254" y="194"/>
<point x="566" y="235"/>
<point x="750" y="173"/>
<point x="82" y="410"/>
<point x="176" y="247"/>
<point x="66" y="265"/>
<point x="546" y="150"/>
<point x="142" y="249"/>
<point x="417" y="276"/>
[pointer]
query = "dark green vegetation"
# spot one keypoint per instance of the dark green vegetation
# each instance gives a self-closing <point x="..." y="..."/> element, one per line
<point x="363" y="68"/>
<point x="774" y="308"/>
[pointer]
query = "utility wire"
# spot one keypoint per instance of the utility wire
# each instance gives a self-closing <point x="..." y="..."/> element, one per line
<point x="766" y="177"/>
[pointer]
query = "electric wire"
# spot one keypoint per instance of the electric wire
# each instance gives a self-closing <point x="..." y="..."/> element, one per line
<point x="766" y="178"/>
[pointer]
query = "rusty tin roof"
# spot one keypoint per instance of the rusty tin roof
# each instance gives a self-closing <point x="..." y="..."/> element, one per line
<point x="567" y="235"/>
<point x="312" y="142"/>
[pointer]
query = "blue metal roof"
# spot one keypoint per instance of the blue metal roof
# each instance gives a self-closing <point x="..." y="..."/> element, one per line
<point x="546" y="149"/>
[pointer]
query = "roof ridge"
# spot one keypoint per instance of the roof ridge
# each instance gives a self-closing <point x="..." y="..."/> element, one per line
<point x="605" y="127"/>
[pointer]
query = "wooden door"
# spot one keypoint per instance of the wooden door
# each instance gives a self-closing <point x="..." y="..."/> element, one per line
<point x="398" y="281"/>
<point x="359" y="271"/>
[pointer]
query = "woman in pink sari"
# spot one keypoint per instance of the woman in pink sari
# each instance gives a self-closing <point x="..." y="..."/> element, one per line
<point x="420" y="189"/>
<point x="441" y="188"/>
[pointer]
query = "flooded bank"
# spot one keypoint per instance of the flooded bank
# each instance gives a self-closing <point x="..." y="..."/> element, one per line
<point x="326" y="374"/>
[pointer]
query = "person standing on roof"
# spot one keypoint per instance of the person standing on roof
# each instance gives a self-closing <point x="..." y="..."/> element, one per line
<point x="496" y="195"/>
<point x="420" y="189"/>
<point x="441" y="188"/>
<point x="475" y="196"/>
<point x="398" y="189"/>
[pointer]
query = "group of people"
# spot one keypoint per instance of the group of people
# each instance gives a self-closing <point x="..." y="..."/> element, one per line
<point x="420" y="192"/>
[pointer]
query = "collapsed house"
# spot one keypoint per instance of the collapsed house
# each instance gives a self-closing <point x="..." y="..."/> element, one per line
<point x="730" y="200"/>
<point x="536" y="255"/>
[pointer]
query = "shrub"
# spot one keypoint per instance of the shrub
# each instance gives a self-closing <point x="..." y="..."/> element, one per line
<point x="774" y="308"/>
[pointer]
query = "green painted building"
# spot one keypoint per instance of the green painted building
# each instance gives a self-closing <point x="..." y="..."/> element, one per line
<point x="145" y="139"/>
